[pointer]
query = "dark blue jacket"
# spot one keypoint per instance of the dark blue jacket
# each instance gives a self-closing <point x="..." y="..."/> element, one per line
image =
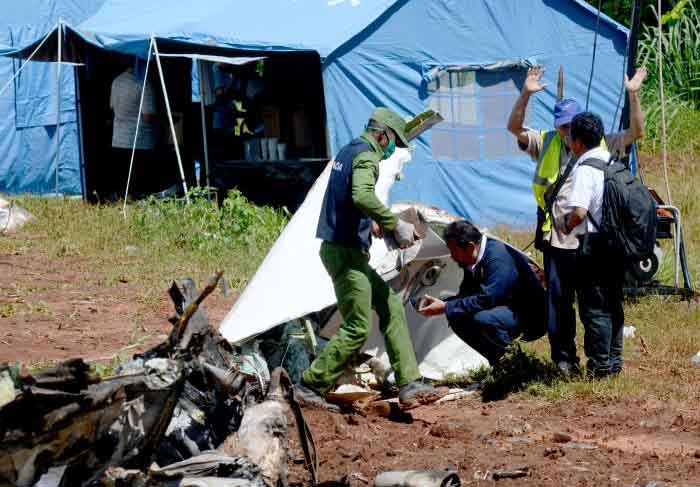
<point x="340" y="220"/>
<point x="503" y="277"/>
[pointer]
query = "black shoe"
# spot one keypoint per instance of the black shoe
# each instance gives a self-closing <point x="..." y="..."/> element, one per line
<point x="568" y="369"/>
<point x="306" y="396"/>
<point x="417" y="393"/>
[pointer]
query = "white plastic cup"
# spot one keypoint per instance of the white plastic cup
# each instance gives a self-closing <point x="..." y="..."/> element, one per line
<point x="272" y="148"/>
<point x="281" y="151"/>
<point x="249" y="150"/>
<point x="264" y="154"/>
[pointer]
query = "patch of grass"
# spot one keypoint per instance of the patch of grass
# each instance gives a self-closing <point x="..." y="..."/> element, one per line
<point x="517" y="369"/>
<point x="8" y="309"/>
<point x="156" y="241"/>
<point x="680" y="55"/>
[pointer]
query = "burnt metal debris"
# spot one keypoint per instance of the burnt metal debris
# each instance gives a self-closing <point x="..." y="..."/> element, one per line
<point x="179" y="414"/>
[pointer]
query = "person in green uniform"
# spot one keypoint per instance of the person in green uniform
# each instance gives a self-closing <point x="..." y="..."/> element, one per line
<point x="350" y="215"/>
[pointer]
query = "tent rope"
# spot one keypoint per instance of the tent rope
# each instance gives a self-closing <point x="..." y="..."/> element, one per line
<point x="659" y="61"/>
<point x="595" y="49"/>
<point x="4" y="88"/>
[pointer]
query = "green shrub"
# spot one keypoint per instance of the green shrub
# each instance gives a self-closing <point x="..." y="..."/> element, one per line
<point x="680" y="51"/>
<point x="202" y="226"/>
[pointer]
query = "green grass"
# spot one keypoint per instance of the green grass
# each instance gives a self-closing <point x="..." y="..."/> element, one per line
<point x="157" y="240"/>
<point x="680" y="53"/>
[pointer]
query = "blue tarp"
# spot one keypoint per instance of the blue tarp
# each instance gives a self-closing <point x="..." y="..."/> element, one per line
<point x="411" y="55"/>
<point x="28" y="107"/>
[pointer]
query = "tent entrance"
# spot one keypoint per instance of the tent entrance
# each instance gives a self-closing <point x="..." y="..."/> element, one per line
<point x="106" y="159"/>
<point x="265" y="126"/>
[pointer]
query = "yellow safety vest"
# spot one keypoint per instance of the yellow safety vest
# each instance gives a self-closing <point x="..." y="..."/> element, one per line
<point x="548" y="170"/>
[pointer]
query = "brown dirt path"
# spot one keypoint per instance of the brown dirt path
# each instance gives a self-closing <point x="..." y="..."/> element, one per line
<point x="633" y="441"/>
<point x="57" y="309"/>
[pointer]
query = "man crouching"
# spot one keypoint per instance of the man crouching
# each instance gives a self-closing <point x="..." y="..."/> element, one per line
<point x="499" y="299"/>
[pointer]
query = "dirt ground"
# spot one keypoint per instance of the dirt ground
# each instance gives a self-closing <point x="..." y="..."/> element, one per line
<point x="52" y="310"/>
<point x="633" y="441"/>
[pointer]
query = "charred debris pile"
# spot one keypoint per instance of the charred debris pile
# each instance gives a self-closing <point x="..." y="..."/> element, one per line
<point x="181" y="414"/>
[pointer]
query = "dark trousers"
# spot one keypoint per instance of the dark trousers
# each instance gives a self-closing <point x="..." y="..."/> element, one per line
<point x="489" y="332"/>
<point x="600" y="302"/>
<point x="111" y="183"/>
<point x="560" y="274"/>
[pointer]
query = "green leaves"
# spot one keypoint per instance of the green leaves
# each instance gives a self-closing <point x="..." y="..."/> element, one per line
<point x="202" y="226"/>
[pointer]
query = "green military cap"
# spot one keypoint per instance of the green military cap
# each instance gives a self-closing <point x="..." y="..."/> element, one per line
<point x="392" y="120"/>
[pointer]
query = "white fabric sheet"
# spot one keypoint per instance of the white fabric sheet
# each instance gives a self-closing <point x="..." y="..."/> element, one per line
<point x="291" y="281"/>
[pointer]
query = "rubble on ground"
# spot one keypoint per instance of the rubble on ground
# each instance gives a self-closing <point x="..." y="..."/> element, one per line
<point x="182" y="413"/>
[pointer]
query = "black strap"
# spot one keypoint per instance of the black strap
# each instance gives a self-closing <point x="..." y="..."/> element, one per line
<point x="559" y="183"/>
<point x="601" y="165"/>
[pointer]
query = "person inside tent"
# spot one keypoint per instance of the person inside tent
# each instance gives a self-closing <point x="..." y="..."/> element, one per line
<point x="550" y="149"/>
<point x="350" y="215"/>
<point x="500" y="297"/>
<point x="124" y="100"/>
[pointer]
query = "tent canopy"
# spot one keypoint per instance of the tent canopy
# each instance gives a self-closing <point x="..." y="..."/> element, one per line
<point x="310" y="25"/>
<point x="410" y="55"/>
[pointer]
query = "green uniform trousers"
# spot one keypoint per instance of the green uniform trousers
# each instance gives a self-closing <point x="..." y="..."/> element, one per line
<point x="359" y="289"/>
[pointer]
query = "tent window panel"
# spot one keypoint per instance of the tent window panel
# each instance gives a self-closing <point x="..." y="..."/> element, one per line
<point x="476" y="107"/>
<point x="468" y="146"/>
<point x="499" y="82"/>
<point x="463" y="82"/>
<point x="440" y="84"/>
<point x="443" y="106"/>
<point x="465" y="112"/>
<point x="443" y="144"/>
<point x="496" y="110"/>
<point x="499" y="145"/>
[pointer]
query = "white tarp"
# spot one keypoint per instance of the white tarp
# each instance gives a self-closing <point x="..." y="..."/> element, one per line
<point x="291" y="282"/>
<point x="12" y="217"/>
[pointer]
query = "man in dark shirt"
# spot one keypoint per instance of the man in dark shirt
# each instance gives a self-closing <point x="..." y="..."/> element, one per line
<point x="499" y="299"/>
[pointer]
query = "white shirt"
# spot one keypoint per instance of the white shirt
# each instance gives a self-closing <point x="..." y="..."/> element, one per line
<point x="124" y="99"/>
<point x="482" y="249"/>
<point x="558" y="238"/>
<point x="587" y="190"/>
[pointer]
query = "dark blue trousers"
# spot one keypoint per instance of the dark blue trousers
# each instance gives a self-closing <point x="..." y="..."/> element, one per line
<point x="600" y="302"/>
<point x="561" y="276"/>
<point x="488" y="332"/>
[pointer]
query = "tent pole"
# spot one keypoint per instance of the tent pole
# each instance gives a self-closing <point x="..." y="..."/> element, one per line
<point x="79" y="118"/>
<point x="138" y="123"/>
<point x="58" y="99"/>
<point x="170" y="116"/>
<point x="204" y="123"/>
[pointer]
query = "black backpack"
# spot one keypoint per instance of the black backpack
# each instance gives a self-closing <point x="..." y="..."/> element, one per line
<point x="629" y="220"/>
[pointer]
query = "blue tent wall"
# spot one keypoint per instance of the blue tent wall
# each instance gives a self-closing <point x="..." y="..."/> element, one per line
<point x="377" y="52"/>
<point x="385" y="65"/>
<point x="28" y="108"/>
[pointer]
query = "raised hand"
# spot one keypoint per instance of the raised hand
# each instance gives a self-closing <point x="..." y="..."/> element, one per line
<point x="633" y="85"/>
<point x="533" y="82"/>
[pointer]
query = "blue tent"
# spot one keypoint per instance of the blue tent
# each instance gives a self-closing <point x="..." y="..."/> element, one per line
<point x="28" y="107"/>
<point x="467" y="59"/>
